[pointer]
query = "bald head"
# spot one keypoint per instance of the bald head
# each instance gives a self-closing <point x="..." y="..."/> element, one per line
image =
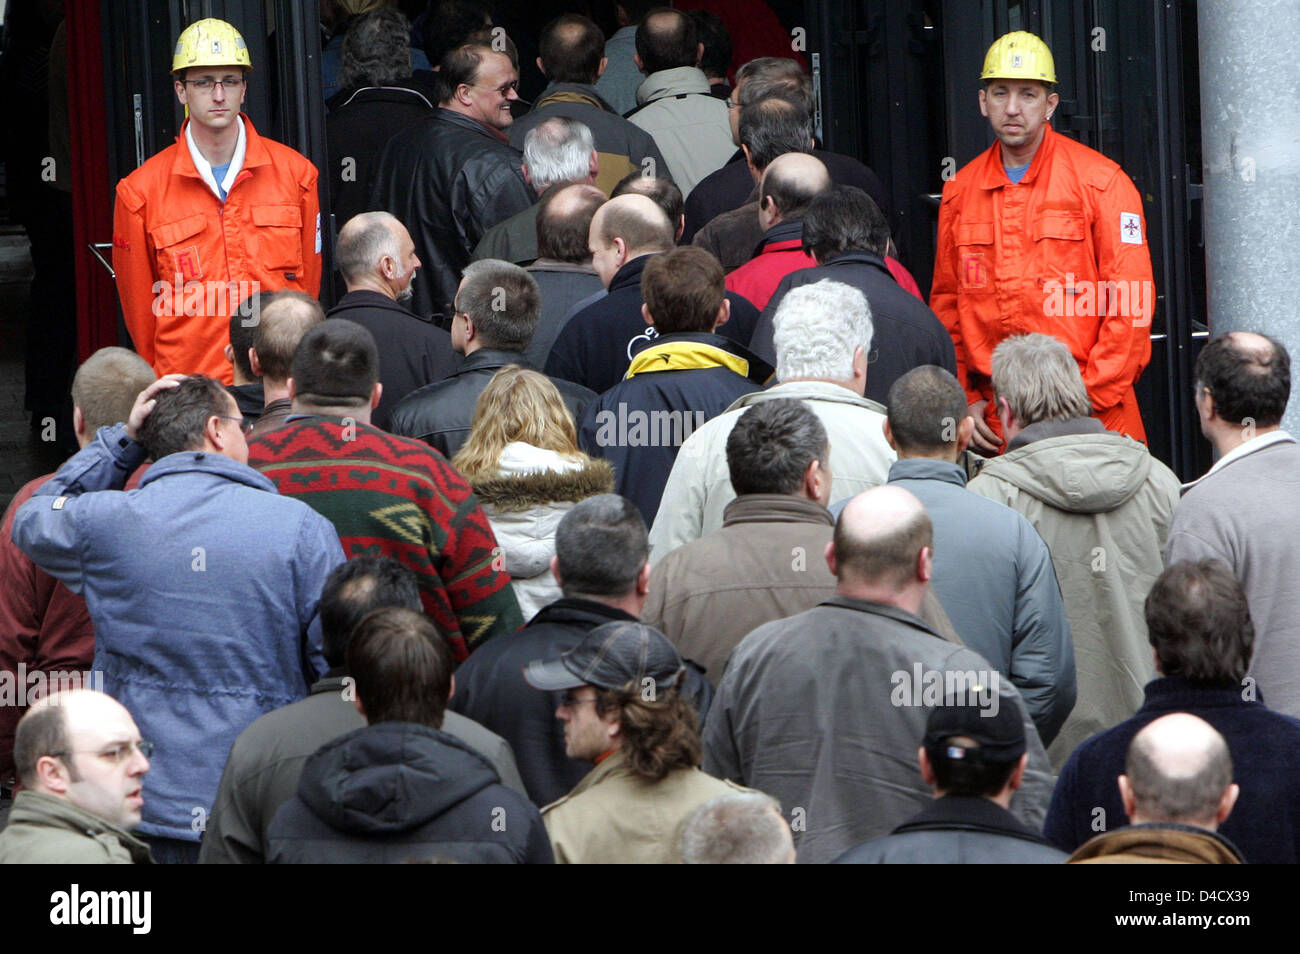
<point x="667" y="39"/>
<point x="663" y="192"/>
<point x="789" y="184"/>
<point x="626" y="228"/>
<point x="1243" y="383"/>
<point x="879" y="540"/>
<point x="564" y="222"/>
<point x="364" y="241"/>
<point x="1178" y="770"/>
<point x="285" y="320"/>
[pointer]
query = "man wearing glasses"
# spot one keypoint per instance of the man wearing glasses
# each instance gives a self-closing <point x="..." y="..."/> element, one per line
<point x="455" y="175"/>
<point x="203" y="586"/>
<point x="215" y="217"/>
<point x="81" y="761"/>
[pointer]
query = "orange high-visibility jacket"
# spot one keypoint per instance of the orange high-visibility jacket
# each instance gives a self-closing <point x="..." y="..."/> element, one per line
<point x="1064" y="253"/>
<point x="184" y="260"/>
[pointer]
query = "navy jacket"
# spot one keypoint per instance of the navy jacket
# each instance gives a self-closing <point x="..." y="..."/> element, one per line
<point x="1265" y="749"/>
<point x="596" y="345"/>
<point x="639" y="424"/>
<point x="399" y="792"/>
<point x="907" y="333"/>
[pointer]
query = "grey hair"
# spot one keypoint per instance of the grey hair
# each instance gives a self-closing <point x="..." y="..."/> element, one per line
<point x="1040" y="379"/>
<point x="502" y="300"/>
<point x="743" y="828"/>
<point x="376" y="50"/>
<point x="361" y="248"/>
<point x="818" y="327"/>
<point x="558" y="150"/>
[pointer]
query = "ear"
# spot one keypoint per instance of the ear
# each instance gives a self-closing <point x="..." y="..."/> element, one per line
<point x="555" y="571"/>
<point x="636" y="58"/>
<point x="643" y="580"/>
<point x="645" y="313"/>
<point x="889" y="434"/>
<point x="829" y="554"/>
<point x="620" y="247"/>
<point x="1155" y="653"/>
<point x="254" y="363"/>
<point x="1053" y="100"/>
<point x="964" y="431"/>
<point x="859" y="362"/>
<point x="1018" y="776"/>
<point x="925" y="564"/>
<point x="229" y="352"/>
<point x="52" y="774"/>
<point x="1126" y="797"/>
<point x="984" y="106"/>
<point x="1004" y="412"/>
<point x="540" y="68"/>
<point x="593" y="164"/>
<point x="724" y="313"/>
<point x="293" y="389"/>
<point x="356" y="703"/>
<point x="376" y="394"/>
<point x="927" y="770"/>
<point x="462" y="94"/>
<point x="815" y="483"/>
<point x="699" y="53"/>
<point x="1226" y="803"/>
<point x="527" y="178"/>
<point x="469" y="327"/>
<point x="452" y="691"/>
<point x="78" y="422"/>
<point x="212" y="433"/>
<point x="179" y="87"/>
<point x="749" y="158"/>
<point x="600" y="70"/>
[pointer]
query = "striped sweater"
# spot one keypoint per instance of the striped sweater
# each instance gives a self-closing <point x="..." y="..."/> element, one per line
<point x="397" y="497"/>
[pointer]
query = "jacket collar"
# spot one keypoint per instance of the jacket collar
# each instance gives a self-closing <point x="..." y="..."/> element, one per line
<point x="383" y="94"/>
<point x="1045" y="429"/>
<point x="860" y="257"/>
<point x="555" y="265"/>
<point x="959" y="812"/>
<point x="687" y="352"/>
<point x="630" y="272"/>
<point x="1178" y="694"/>
<point x="896" y="613"/>
<point x="1167" y="841"/>
<point x="366" y="298"/>
<point x="572" y="93"/>
<point x="255" y="154"/>
<point x="201" y="462"/>
<point x="520" y="492"/>
<point x="924" y="468"/>
<point x="1251" y="446"/>
<point x="331" y="682"/>
<point x="575" y="609"/>
<point x="774" y="508"/>
<point x="808" y="391"/>
<point x="472" y="125"/>
<point x="38" y="809"/>
<point x="782" y="237"/>
<point x="608" y="767"/>
<point x="675" y="82"/>
<point x="489" y="358"/>
<point x="993" y="174"/>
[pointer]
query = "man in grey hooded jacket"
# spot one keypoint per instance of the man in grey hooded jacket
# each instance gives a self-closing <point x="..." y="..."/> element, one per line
<point x="1103" y="505"/>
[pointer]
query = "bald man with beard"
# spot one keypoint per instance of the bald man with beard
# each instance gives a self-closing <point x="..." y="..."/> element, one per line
<point x="824" y="710"/>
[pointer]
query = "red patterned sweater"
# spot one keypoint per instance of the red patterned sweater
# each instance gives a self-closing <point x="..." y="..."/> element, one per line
<point x="397" y="497"/>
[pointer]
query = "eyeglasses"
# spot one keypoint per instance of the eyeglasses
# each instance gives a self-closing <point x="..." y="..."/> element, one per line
<point x="569" y="700"/>
<point x="117" y="754"/>
<point x="502" y="90"/>
<point x="244" y="423"/>
<point x="206" y="84"/>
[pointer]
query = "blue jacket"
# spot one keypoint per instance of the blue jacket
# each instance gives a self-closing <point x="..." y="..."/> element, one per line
<point x="203" y="585"/>
<point x="1265" y="750"/>
<point x="993" y="574"/>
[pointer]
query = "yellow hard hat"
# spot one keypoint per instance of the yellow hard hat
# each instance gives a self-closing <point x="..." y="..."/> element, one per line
<point x="210" y="43"/>
<point x="1019" y="55"/>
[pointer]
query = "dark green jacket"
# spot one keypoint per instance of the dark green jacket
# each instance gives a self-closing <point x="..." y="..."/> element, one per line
<point x="44" y="830"/>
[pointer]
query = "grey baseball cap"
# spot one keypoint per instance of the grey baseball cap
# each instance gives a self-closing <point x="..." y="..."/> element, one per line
<point x="609" y="657"/>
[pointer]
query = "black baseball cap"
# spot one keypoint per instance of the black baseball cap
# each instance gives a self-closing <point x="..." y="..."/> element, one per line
<point x="610" y="657"/>
<point x="999" y="736"/>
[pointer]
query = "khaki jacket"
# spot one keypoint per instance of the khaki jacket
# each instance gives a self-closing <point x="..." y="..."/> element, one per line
<point x="613" y="817"/>
<point x="1157" y="844"/>
<point x="44" y="830"/>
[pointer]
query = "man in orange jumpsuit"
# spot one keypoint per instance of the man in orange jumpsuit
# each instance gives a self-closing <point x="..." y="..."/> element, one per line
<point x="1042" y="234"/>
<point x="218" y="215"/>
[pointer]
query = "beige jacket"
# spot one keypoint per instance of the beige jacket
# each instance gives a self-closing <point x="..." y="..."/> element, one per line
<point x="614" y="817"/>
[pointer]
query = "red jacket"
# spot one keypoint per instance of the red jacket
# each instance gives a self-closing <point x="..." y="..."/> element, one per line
<point x="782" y="254"/>
<point x="184" y="259"/>
<point x="1065" y="253"/>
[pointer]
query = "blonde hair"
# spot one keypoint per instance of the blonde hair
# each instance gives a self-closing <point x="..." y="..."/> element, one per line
<point x="516" y="405"/>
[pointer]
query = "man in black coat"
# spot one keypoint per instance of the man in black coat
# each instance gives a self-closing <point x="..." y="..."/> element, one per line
<point x="377" y="259"/>
<point x="847" y="234"/>
<point x="401" y="789"/>
<point x="454" y="176"/>
<point x="684" y="377"/>
<point x="597" y="343"/>
<point x="497" y="307"/>
<point x="601" y="563"/>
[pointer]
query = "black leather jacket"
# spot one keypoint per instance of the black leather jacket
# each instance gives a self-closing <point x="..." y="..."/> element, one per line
<point x="440" y="413"/>
<point x="449" y="180"/>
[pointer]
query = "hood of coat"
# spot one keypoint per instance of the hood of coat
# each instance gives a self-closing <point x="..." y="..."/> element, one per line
<point x="1087" y="473"/>
<point x="523" y="491"/>
<point x="1166" y="841"/>
<point x="673" y="82"/>
<point x="391" y="778"/>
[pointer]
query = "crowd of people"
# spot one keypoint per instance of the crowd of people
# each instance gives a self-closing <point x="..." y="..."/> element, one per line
<point x="631" y="504"/>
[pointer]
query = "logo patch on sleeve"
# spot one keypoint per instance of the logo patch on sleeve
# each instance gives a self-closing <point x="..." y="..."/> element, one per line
<point x="58" y="503"/>
<point x="1130" y="228"/>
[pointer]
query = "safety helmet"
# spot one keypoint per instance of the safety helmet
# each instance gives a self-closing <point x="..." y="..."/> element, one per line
<point x="1019" y="55"/>
<point x="210" y="42"/>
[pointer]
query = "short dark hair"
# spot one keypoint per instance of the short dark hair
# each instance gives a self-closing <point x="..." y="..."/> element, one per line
<point x="844" y="219"/>
<point x="460" y="66"/>
<point x="336" y="365"/>
<point x="889" y="559"/>
<point x="571" y="48"/>
<point x="774" y="76"/>
<point x="286" y="317"/>
<point x="683" y="289"/>
<point x="1198" y="621"/>
<point x="926" y="406"/>
<point x="772" y="127"/>
<point x="376" y="49"/>
<point x="562" y="233"/>
<point x="659" y="190"/>
<point x="503" y="301"/>
<point x="971" y="776"/>
<point x="666" y="39"/>
<point x="402" y="668"/>
<point x="452" y="23"/>
<point x="1245" y="384"/>
<point x="356" y="589"/>
<point x="716" y="60"/>
<point x="41" y="731"/>
<point x="181" y="414"/>
<point x="600" y="547"/>
<point x="772" y="444"/>
<point x="243" y="322"/>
